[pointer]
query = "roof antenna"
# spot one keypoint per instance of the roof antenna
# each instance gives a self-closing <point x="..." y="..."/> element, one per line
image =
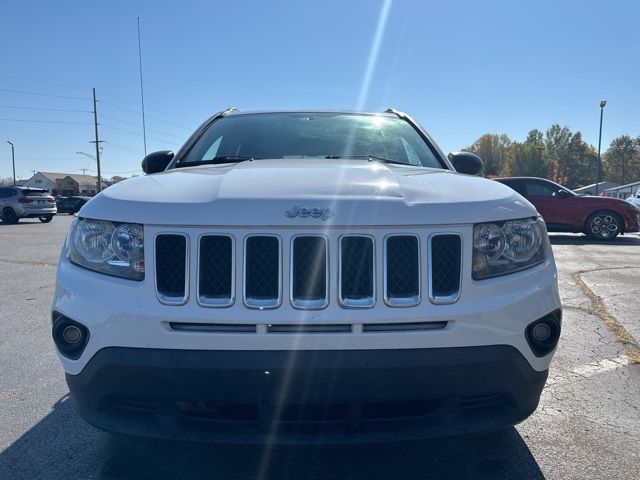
<point x="144" y="127"/>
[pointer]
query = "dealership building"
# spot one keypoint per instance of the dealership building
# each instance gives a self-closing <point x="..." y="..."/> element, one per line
<point x="64" y="184"/>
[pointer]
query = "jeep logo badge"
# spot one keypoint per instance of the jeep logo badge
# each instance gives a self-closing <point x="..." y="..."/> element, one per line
<point x="304" y="212"/>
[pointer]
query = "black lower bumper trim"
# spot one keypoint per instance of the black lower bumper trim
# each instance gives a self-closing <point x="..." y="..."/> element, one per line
<point x="306" y="396"/>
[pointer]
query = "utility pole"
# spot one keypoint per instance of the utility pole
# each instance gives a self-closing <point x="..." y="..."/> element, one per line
<point x="144" y="127"/>
<point x="13" y="161"/>
<point x="540" y="149"/>
<point x="97" y="142"/>
<point x="602" y="104"/>
<point x="84" y="171"/>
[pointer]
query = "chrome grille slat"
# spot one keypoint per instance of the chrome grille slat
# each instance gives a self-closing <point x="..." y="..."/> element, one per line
<point x="357" y="273"/>
<point x="216" y="271"/>
<point x="262" y="271"/>
<point x="402" y="270"/>
<point x="172" y="268"/>
<point x="309" y="277"/>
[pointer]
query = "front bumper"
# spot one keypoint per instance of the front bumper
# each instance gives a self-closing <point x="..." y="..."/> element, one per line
<point x="306" y="396"/>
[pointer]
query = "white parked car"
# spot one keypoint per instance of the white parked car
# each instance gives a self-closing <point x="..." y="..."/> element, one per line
<point x="23" y="202"/>
<point x="635" y="199"/>
<point x="306" y="277"/>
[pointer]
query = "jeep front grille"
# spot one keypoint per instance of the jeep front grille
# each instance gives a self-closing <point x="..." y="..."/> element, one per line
<point x="262" y="271"/>
<point x="444" y="268"/>
<point x="357" y="275"/>
<point x="309" y="272"/>
<point x="402" y="270"/>
<point x="352" y="268"/>
<point x="172" y="268"/>
<point x="215" y="271"/>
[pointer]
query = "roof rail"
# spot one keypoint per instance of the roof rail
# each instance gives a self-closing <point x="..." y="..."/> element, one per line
<point x="396" y="112"/>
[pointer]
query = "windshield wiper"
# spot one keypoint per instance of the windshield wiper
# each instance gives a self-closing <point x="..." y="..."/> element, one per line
<point x="370" y="158"/>
<point x="220" y="159"/>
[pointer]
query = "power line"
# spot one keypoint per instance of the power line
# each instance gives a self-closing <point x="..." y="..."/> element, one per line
<point x="124" y="147"/>
<point x="42" y="121"/>
<point x="136" y="134"/>
<point x="66" y="85"/>
<point x="109" y="173"/>
<point x="166" y="114"/>
<point x="113" y="105"/>
<point x="181" y="137"/>
<point x="21" y="92"/>
<point x="68" y="97"/>
<point x="43" y="157"/>
<point x="45" y="109"/>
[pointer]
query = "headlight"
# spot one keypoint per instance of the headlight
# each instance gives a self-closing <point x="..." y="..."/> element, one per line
<point x="107" y="247"/>
<point x="507" y="247"/>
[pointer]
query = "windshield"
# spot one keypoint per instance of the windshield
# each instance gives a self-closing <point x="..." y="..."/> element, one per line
<point x="301" y="135"/>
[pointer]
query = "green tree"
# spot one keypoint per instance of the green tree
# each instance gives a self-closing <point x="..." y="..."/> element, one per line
<point x="493" y="150"/>
<point x="622" y="160"/>
<point x="579" y="163"/>
<point x="528" y="158"/>
<point x="557" y="141"/>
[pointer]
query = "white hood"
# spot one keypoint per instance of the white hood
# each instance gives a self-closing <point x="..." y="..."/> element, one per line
<point x="257" y="193"/>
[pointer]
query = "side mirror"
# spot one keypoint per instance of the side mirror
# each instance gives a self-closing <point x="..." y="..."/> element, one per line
<point x="563" y="194"/>
<point x="466" y="162"/>
<point x="157" y="161"/>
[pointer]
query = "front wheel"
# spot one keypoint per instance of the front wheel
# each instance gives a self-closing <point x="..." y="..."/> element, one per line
<point x="45" y="218"/>
<point x="603" y="225"/>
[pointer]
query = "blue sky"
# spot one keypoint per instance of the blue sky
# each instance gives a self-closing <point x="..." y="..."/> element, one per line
<point x="462" y="68"/>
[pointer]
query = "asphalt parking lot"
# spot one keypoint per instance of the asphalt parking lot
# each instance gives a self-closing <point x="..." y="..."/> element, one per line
<point x="587" y="425"/>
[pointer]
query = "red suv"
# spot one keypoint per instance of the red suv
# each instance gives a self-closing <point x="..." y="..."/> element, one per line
<point x="564" y="211"/>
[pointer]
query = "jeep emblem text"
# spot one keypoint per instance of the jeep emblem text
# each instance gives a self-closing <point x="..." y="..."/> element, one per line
<point x="304" y="212"/>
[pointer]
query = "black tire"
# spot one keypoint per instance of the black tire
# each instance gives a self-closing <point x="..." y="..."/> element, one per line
<point x="45" y="218"/>
<point x="603" y="225"/>
<point x="9" y="216"/>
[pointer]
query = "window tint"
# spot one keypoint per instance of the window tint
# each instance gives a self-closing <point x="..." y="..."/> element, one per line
<point x="541" y="189"/>
<point x="297" y="135"/>
<point x="517" y="185"/>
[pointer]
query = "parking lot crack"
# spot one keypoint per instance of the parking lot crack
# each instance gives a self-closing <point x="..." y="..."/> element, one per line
<point x="27" y="262"/>
<point x="620" y="333"/>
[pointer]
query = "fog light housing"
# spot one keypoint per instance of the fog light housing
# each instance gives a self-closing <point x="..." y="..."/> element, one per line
<point x="543" y="334"/>
<point x="71" y="334"/>
<point x="70" y="337"/>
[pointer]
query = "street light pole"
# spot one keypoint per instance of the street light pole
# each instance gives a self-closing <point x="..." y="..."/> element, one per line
<point x="602" y="104"/>
<point x="92" y="157"/>
<point x="13" y="161"/>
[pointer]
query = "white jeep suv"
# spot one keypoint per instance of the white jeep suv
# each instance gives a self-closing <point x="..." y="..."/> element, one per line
<point x="306" y="277"/>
